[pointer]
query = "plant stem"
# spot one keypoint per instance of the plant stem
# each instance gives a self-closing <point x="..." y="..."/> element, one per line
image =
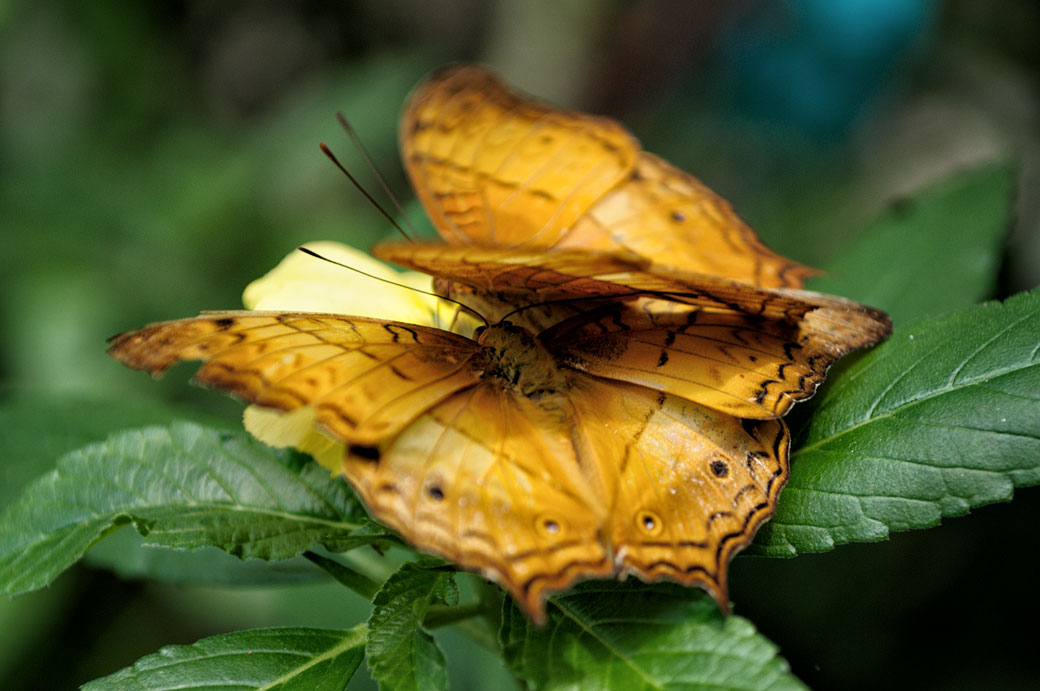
<point x="355" y="580"/>
<point x="463" y="617"/>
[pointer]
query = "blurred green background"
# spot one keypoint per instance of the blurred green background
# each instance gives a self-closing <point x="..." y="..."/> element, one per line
<point x="156" y="157"/>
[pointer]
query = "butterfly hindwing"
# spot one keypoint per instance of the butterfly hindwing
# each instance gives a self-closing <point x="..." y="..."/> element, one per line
<point x="490" y="480"/>
<point x="586" y="483"/>
<point x="691" y="485"/>
<point x="365" y="378"/>
<point x="668" y="216"/>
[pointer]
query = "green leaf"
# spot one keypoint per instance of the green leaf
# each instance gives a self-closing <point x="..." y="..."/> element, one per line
<point x="282" y="659"/>
<point x="936" y="252"/>
<point x="943" y="417"/>
<point x="184" y="487"/>
<point x="126" y="553"/>
<point x="401" y="654"/>
<point x="632" y="635"/>
<point x="33" y="442"/>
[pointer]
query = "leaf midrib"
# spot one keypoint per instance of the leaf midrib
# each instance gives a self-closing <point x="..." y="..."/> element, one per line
<point x="348" y="642"/>
<point x="612" y="649"/>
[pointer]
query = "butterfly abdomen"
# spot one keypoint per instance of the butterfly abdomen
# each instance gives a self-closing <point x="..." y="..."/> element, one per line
<point x="517" y="359"/>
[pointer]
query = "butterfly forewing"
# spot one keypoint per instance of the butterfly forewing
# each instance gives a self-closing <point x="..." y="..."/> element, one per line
<point x="365" y="378"/>
<point x="492" y="167"/>
<point x="585" y="276"/>
<point x="730" y="361"/>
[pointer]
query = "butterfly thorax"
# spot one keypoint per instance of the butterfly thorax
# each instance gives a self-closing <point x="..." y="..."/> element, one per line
<point x="515" y="357"/>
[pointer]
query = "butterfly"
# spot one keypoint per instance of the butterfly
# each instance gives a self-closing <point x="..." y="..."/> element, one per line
<point x="619" y="410"/>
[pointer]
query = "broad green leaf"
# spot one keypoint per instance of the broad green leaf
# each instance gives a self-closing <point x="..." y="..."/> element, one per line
<point x="943" y="417"/>
<point x="632" y="635"/>
<point x="185" y="487"/>
<point x="38" y="430"/>
<point x="935" y="252"/>
<point x="401" y="654"/>
<point x="281" y="659"/>
<point x="128" y="554"/>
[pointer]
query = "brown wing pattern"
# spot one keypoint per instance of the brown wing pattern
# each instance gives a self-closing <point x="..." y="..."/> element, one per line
<point x="669" y="216"/>
<point x="729" y="361"/>
<point x="490" y="481"/>
<point x="495" y="168"/>
<point x="365" y="378"/>
<point x="578" y="275"/>
<point x="692" y="485"/>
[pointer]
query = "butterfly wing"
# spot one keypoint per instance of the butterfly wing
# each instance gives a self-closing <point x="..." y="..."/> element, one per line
<point x="730" y="361"/>
<point x="578" y="275"/>
<point x="691" y="485"/>
<point x="603" y="479"/>
<point x="489" y="480"/>
<point x="492" y="167"/>
<point x="365" y="378"/>
<point x="664" y="214"/>
<point x="584" y="276"/>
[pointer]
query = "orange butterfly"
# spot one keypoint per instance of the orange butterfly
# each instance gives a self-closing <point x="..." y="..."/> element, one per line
<point x="616" y="414"/>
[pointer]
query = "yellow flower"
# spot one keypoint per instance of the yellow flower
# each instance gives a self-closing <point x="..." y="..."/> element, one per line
<point x="302" y="283"/>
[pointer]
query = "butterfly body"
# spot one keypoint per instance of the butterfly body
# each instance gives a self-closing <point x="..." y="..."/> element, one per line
<point x="517" y="359"/>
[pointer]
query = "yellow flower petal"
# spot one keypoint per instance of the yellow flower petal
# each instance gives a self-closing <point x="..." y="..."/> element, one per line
<point x="302" y="283"/>
<point x="295" y="429"/>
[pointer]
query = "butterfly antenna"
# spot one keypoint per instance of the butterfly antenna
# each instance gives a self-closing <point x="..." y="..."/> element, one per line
<point x="352" y="133"/>
<point x="476" y="314"/>
<point x="362" y="190"/>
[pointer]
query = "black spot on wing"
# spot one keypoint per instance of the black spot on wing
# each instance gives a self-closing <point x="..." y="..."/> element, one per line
<point x="369" y="453"/>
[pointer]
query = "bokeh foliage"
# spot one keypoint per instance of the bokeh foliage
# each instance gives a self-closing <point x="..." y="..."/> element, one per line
<point x="156" y="157"/>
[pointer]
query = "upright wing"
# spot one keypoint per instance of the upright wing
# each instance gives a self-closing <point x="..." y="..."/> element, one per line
<point x="365" y="378"/>
<point x="492" y="167"/>
<point x="670" y="217"/>
<point x="490" y="481"/>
